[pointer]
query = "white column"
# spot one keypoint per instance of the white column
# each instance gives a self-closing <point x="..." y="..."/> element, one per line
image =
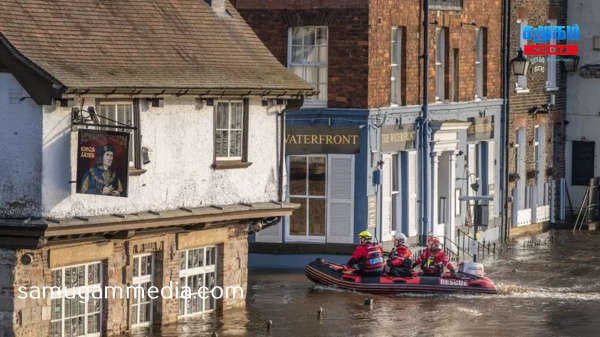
<point x="434" y="191"/>
<point x="451" y="196"/>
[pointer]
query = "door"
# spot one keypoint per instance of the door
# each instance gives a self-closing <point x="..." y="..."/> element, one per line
<point x="340" y="198"/>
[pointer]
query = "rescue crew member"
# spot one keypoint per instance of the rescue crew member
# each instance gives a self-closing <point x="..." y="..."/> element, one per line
<point x="434" y="259"/>
<point x="399" y="263"/>
<point x="367" y="257"/>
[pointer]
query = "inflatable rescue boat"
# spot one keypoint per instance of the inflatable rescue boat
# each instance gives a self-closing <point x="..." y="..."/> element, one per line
<point x="334" y="275"/>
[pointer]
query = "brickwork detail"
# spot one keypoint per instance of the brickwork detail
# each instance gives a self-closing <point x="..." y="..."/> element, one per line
<point x="31" y="318"/>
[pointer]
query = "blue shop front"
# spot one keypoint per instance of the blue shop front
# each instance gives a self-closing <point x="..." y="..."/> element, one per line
<point x="328" y="172"/>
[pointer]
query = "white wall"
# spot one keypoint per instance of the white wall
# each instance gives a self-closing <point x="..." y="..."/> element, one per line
<point x="583" y="106"/>
<point x="20" y="150"/>
<point x="180" y="136"/>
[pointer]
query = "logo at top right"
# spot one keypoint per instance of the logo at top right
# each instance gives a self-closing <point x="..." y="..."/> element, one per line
<point x="551" y="34"/>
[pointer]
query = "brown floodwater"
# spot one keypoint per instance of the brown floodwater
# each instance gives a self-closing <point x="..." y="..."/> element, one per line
<point x="548" y="286"/>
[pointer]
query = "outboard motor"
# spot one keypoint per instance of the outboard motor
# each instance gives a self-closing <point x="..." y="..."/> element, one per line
<point x="471" y="268"/>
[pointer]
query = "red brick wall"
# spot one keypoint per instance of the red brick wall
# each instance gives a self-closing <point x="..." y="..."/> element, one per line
<point x="537" y="12"/>
<point x="386" y="14"/>
<point x="347" y="23"/>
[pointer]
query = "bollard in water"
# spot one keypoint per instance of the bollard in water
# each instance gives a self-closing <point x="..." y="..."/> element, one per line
<point x="215" y="334"/>
<point x="369" y="302"/>
<point x="269" y="324"/>
<point x="320" y="313"/>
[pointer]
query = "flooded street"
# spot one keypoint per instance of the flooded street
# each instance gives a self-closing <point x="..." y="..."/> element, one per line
<point x="548" y="289"/>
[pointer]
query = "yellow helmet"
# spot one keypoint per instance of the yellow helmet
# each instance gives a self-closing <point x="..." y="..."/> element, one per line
<point x="365" y="235"/>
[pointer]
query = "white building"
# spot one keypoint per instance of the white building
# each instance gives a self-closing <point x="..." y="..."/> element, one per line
<point x="583" y="105"/>
<point x="139" y="147"/>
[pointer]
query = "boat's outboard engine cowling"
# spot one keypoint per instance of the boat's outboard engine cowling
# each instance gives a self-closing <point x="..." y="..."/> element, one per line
<point x="471" y="268"/>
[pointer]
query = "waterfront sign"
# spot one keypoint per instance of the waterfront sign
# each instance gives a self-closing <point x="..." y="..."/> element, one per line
<point x="398" y="138"/>
<point x="102" y="162"/>
<point x="322" y="139"/>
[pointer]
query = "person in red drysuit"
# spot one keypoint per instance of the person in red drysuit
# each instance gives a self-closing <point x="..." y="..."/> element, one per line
<point x="367" y="257"/>
<point x="399" y="263"/>
<point x="433" y="259"/>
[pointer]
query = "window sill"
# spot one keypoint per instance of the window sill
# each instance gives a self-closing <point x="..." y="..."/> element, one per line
<point x="136" y="171"/>
<point x="522" y="91"/>
<point x="233" y="164"/>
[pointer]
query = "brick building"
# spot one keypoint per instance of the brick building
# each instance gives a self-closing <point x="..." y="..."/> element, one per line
<point x="537" y="102"/>
<point x="364" y="57"/>
<point x="138" y="151"/>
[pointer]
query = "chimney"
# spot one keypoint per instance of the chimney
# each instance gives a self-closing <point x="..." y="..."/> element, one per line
<point x="218" y="6"/>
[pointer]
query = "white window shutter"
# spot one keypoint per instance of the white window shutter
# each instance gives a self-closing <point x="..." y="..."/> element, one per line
<point x="387" y="198"/>
<point x="412" y="194"/>
<point x="340" y="198"/>
<point x="492" y="178"/>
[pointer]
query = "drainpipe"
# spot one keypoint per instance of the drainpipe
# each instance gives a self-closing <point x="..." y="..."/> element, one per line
<point x="504" y="117"/>
<point x="291" y="105"/>
<point x="424" y="129"/>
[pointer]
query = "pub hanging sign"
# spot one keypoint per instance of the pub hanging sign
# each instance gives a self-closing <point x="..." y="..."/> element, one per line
<point x="398" y="138"/>
<point x="481" y="128"/>
<point x="103" y="162"/>
<point x="322" y="139"/>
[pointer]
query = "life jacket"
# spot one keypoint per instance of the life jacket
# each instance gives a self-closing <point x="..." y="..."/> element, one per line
<point x="433" y="263"/>
<point x="400" y="256"/>
<point x="374" y="259"/>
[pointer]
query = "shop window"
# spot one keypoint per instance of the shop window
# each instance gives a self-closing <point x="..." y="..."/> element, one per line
<point x="307" y="187"/>
<point x="231" y="129"/>
<point x="308" y="58"/>
<point x="143" y="279"/>
<point x="69" y="315"/>
<point x="198" y="268"/>
<point x="397" y="66"/>
<point x="120" y="113"/>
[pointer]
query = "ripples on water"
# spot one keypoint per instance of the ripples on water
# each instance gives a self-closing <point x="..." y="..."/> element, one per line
<point x="551" y="289"/>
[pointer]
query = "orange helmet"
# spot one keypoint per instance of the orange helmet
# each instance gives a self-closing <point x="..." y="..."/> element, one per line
<point x="433" y="241"/>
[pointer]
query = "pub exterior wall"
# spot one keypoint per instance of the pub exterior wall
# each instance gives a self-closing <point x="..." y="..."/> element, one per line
<point x="180" y="137"/>
<point x="21" y="149"/>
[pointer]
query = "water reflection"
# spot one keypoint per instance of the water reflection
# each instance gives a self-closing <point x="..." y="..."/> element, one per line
<point x="550" y="289"/>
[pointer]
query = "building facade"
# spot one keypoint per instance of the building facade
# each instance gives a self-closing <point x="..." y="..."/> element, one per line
<point x="537" y="102"/>
<point x="582" y="107"/>
<point x="136" y="155"/>
<point x="364" y="57"/>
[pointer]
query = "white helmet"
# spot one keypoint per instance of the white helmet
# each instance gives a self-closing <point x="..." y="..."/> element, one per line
<point x="400" y="237"/>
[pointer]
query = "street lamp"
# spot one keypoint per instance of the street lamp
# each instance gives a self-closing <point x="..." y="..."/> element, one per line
<point x="519" y="64"/>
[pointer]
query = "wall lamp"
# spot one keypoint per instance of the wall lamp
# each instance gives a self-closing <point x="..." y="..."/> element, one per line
<point x="519" y="64"/>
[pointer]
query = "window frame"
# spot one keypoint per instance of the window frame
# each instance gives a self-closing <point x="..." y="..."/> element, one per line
<point x="551" y="71"/>
<point x="73" y="292"/>
<point x="521" y="83"/>
<point x="481" y="63"/>
<point x="308" y="196"/>
<point x="311" y="101"/>
<point x="398" y="66"/>
<point x="135" y="138"/>
<point x="236" y="161"/>
<point x="136" y="303"/>
<point x="441" y="64"/>
<point x="202" y="270"/>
